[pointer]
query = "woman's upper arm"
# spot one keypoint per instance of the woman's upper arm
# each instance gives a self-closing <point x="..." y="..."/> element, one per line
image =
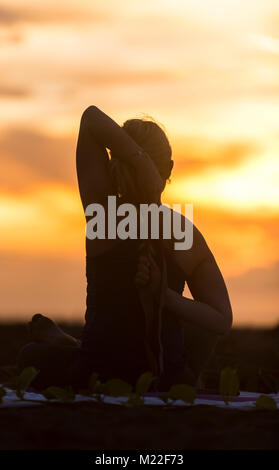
<point x="207" y="285"/>
<point x="92" y="162"/>
<point x="97" y="133"/>
<point x="204" y="277"/>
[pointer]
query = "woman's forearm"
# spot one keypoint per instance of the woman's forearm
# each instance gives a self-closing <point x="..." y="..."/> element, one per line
<point x="109" y="134"/>
<point x="198" y="313"/>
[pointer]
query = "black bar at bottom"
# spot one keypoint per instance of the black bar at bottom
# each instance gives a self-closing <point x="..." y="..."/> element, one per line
<point x="131" y="458"/>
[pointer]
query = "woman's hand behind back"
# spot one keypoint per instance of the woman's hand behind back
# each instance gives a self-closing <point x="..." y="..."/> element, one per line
<point x="148" y="274"/>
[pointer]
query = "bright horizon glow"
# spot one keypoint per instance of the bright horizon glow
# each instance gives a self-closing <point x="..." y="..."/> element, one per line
<point x="208" y="71"/>
<point x="252" y="187"/>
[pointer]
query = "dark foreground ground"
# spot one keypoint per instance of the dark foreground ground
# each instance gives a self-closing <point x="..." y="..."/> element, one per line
<point x="82" y="426"/>
<point x="255" y="354"/>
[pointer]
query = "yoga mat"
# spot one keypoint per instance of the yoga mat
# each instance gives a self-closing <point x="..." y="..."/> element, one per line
<point x="244" y="401"/>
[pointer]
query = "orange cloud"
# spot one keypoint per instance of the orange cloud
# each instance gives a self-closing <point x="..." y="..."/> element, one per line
<point x="11" y="15"/>
<point x="196" y="155"/>
<point x="46" y="219"/>
<point x="30" y="157"/>
<point x="240" y="241"/>
<point x="8" y="91"/>
<point x="121" y="76"/>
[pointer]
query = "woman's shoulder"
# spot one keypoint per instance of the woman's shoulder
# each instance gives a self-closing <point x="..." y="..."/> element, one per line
<point x="191" y="248"/>
<point x="185" y="235"/>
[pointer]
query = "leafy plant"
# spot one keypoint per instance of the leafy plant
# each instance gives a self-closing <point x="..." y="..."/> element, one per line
<point x="21" y="382"/>
<point x="229" y="384"/>
<point x="62" y="394"/>
<point x="95" y="387"/>
<point x="266" y="403"/>
<point x="164" y="396"/>
<point x="117" y="388"/>
<point x="182" y="392"/>
<point x="143" y="384"/>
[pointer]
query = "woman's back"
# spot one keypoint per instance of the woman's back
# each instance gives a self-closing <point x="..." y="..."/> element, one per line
<point x="114" y="332"/>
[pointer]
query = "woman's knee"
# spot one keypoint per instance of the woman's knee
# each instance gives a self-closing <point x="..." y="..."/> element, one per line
<point x="53" y="363"/>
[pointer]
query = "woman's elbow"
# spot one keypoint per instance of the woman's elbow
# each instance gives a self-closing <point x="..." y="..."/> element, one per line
<point x="226" y="323"/>
<point x="88" y="114"/>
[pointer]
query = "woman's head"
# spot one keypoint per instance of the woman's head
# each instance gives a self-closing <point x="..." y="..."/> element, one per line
<point x="151" y="138"/>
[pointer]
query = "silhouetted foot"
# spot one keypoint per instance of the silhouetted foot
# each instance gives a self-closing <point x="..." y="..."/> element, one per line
<point x="45" y="330"/>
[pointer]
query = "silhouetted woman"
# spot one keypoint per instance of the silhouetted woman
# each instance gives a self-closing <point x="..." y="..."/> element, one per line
<point x="137" y="318"/>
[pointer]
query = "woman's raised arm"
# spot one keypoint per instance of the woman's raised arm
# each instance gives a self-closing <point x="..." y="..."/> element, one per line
<point x="98" y="132"/>
<point x="108" y="133"/>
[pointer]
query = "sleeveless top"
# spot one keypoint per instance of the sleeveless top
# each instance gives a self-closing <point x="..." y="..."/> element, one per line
<point x="113" y="335"/>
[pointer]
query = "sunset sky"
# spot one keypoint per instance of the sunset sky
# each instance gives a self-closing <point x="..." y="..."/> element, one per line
<point x="207" y="70"/>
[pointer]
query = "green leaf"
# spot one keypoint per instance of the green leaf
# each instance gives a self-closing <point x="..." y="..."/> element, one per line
<point x="2" y="394"/>
<point x="266" y="403"/>
<point x="47" y="393"/>
<point x="21" y="382"/>
<point x="144" y="382"/>
<point x="99" y="388"/>
<point x="26" y="378"/>
<point x="62" y="394"/>
<point x="182" y="392"/>
<point x="229" y="384"/>
<point x="117" y="388"/>
<point x="164" y="397"/>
